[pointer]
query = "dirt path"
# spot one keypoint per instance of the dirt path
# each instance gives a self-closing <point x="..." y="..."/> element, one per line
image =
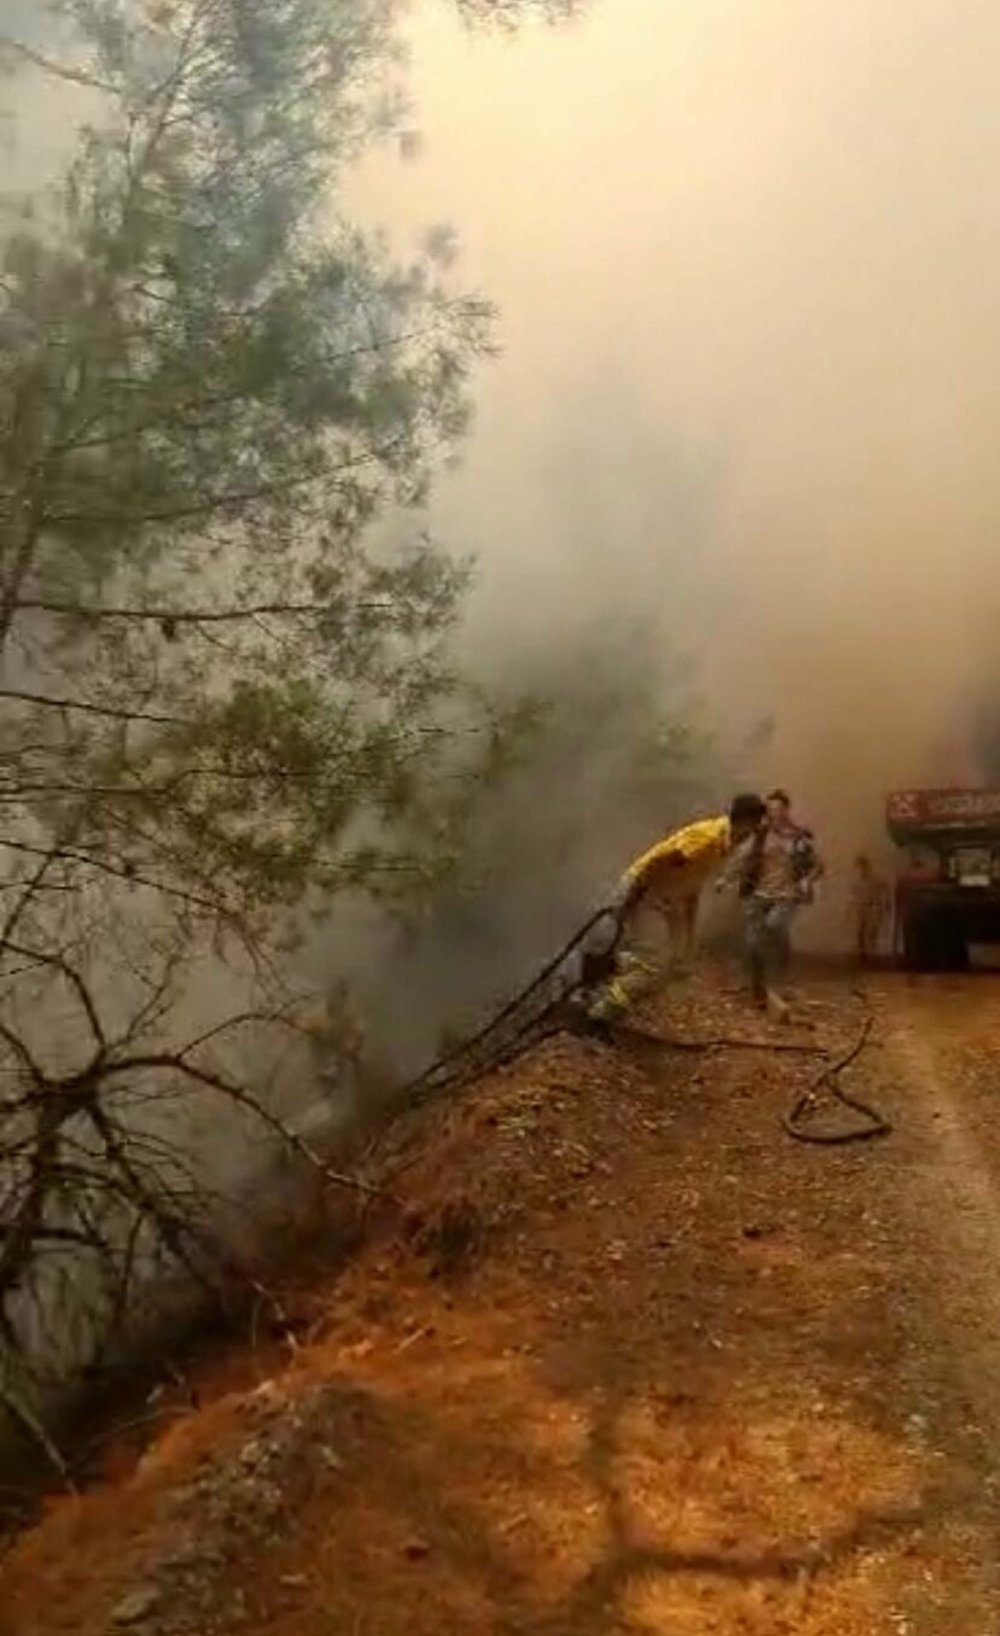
<point x="941" y="1042"/>
<point x="633" y="1362"/>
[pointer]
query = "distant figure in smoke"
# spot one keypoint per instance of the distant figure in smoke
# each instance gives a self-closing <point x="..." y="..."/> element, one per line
<point x="776" y="870"/>
<point x="336" y="1037"/>
<point x="657" y="910"/>
<point x="870" y="904"/>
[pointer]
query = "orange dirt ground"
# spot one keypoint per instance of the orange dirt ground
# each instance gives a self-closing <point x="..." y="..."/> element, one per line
<point x="628" y="1360"/>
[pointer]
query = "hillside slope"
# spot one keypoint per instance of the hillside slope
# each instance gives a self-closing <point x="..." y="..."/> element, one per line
<point x="625" y="1358"/>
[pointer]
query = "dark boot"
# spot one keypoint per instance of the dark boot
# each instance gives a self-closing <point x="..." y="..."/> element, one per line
<point x="576" y="1019"/>
<point x="597" y="1028"/>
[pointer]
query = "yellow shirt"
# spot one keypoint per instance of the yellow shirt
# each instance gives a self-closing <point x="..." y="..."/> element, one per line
<point x="702" y="845"/>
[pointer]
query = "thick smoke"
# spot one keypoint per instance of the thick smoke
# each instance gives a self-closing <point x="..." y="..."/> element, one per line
<point x="747" y="262"/>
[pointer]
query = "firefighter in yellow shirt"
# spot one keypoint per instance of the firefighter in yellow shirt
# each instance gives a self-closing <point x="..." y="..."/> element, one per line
<point x="658" y="905"/>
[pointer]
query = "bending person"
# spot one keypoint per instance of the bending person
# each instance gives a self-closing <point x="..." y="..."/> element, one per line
<point x="657" y="909"/>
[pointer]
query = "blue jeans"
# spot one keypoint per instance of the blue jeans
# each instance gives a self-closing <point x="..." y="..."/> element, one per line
<point x="768" y="934"/>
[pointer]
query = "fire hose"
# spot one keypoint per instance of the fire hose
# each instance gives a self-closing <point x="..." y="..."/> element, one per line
<point x="534" y="1015"/>
<point x="528" y="1018"/>
<point x="873" y="1123"/>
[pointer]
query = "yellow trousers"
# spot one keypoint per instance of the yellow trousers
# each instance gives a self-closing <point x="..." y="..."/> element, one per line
<point x="651" y="942"/>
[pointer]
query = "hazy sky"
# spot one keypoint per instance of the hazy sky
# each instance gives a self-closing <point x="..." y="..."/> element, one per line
<point x="747" y="254"/>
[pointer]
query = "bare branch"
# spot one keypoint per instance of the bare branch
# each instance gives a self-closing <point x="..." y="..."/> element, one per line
<point x="32" y="887"/>
<point x="67" y="855"/>
<point x="24" y="1056"/>
<point x="173" y="1229"/>
<point x="192" y="616"/>
<point x="25" y="1417"/>
<point x="205" y="507"/>
<point x="76" y="982"/>
<point x="62" y="71"/>
<point x="54" y="1235"/>
<point x="239" y="1021"/>
<point x="116" y="713"/>
<point x="174" y="1062"/>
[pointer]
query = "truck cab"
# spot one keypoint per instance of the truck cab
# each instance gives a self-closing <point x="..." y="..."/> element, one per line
<point x="947" y="877"/>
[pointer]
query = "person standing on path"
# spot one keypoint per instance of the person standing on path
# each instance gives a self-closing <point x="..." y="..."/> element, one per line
<point x="776" y="869"/>
<point x="870" y="904"/>
<point x="657" y="908"/>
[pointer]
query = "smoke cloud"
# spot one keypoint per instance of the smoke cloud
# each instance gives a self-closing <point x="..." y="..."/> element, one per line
<point x="746" y="257"/>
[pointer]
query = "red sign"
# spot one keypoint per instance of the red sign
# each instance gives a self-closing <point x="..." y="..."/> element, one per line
<point x="944" y="807"/>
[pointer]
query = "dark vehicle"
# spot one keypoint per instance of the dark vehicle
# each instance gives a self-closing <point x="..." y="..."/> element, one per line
<point x="947" y="885"/>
